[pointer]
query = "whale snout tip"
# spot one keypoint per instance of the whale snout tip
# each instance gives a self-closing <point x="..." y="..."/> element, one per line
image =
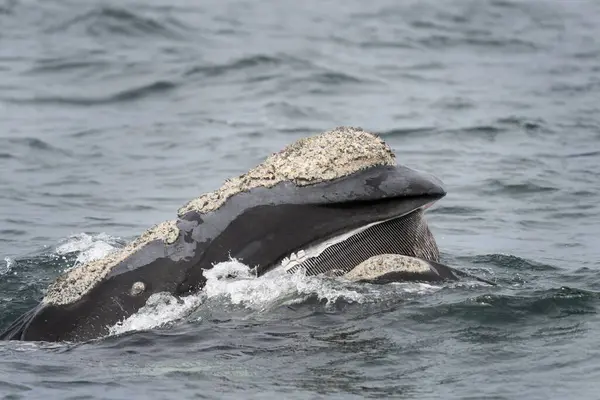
<point x="438" y="187"/>
<point x="409" y="182"/>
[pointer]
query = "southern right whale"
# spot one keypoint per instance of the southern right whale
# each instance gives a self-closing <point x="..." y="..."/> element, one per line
<point x="334" y="203"/>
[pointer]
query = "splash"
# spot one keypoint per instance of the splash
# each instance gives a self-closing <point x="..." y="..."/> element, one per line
<point x="88" y="247"/>
<point x="160" y="309"/>
<point x="235" y="283"/>
<point x="7" y="268"/>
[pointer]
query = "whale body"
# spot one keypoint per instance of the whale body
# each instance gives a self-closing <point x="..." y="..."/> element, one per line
<point x="324" y="205"/>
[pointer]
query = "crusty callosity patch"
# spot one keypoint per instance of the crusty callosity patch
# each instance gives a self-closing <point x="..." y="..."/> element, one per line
<point x="75" y="283"/>
<point x="382" y="264"/>
<point x="330" y="155"/>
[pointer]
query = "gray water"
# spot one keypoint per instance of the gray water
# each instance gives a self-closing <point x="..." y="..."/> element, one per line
<point x="115" y="113"/>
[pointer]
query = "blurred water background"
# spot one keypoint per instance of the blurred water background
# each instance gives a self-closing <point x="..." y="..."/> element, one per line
<point x="114" y="113"/>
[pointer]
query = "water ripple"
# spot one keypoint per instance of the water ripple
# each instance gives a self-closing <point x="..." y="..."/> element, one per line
<point x="501" y="309"/>
<point x="33" y="144"/>
<point x="512" y="262"/>
<point x="54" y="65"/>
<point x="112" y="21"/>
<point x="144" y="91"/>
<point x="496" y="186"/>
<point x="254" y="61"/>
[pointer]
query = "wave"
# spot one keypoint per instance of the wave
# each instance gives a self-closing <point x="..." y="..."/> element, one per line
<point x="499" y="309"/>
<point x="267" y="67"/>
<point x="511" y="262"/>
<point x="127" y="95"/>
<point x="584" y="154"/>
<point x="521" y="188"/>
<point x="29" y="143"/>
<point x="114" y="21"/>
<point x="248" y="62"/>
<point x="438" y="41"/>
<point x="60" y="65"/>
<point x="500" y="126"/>
<point x="456" y="210"/>
<point x="336" y="78"/>
<point x="400" y="132"/>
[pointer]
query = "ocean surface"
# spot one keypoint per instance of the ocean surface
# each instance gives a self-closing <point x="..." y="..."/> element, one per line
<point x="115" y="113"/>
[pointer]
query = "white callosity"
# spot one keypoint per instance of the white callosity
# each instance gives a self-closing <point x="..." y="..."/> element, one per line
<point x="137" y="288"/>
<point x="75" y="283"/>
<point x="329" y="155"/>
<point x="382" y="264"/>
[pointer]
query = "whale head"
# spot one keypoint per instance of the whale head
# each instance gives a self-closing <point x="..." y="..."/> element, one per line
<point x="324" y="204"/>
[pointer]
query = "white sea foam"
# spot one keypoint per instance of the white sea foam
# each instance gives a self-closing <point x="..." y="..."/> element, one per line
<point x="7" y="268"/>
<point x="234" y="281"/>
<point x="89" y="247"/>
<point x="160" y="309"/>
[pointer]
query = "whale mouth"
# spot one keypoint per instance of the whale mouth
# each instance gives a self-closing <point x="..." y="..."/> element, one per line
<point x="406" y="235"/>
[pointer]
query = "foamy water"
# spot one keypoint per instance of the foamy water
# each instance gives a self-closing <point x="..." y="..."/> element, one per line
<point x="7" y="267"/>
<point x="88" y="247"/>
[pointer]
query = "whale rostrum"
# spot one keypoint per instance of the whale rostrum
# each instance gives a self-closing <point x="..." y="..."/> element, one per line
<point x="310" y="160"/>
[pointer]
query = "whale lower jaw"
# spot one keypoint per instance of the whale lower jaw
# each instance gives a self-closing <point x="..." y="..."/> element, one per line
<point x="408" y="246"/>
